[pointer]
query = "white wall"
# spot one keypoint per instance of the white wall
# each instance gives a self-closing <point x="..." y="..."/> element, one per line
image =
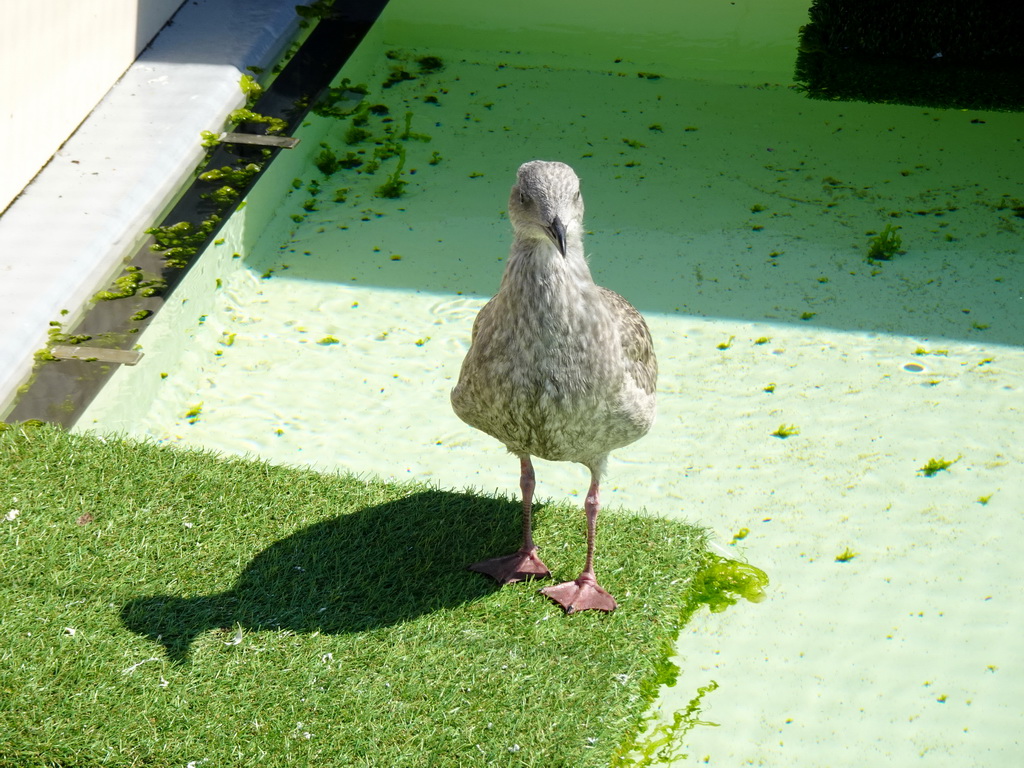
<point x="57" y="60"/>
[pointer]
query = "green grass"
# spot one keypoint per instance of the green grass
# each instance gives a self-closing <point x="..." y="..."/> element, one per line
<point x="160" y="607"/>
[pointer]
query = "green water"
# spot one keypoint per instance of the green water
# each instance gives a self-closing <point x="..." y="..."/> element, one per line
<point x="736" y="215"/>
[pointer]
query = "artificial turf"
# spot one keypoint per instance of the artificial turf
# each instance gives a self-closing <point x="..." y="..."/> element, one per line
<point x="167" y="607"/>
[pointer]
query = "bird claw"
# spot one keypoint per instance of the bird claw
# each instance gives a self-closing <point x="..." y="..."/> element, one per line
<point x="581" y="595"/>
<point x="521" y="566"/>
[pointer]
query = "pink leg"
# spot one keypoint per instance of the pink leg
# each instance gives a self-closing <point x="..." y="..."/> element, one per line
<point x="585" y="593"/>
<point x="524" y="564"/>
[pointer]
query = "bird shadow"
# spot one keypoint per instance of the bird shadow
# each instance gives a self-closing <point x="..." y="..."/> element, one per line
<point x="375" y="567"/>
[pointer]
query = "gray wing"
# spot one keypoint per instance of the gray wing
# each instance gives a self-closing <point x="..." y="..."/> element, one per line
<point x="482" y="330"/>
<point x="637" y="346"/>
<point x="481" y="324"/>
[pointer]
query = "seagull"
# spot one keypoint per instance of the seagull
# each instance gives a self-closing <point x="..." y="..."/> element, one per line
<point x="558" y="367"/>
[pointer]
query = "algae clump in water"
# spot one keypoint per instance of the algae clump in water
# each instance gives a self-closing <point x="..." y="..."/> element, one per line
<point x="723" y="582"/>
<point x="885" y="245"/>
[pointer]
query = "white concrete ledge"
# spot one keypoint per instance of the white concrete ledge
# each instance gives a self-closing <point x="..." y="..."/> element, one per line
<point x="86" y="212"/>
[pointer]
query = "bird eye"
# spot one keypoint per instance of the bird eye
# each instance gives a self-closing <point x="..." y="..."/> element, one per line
<point x="523" y="198"/>
<point x="577" y="194"/>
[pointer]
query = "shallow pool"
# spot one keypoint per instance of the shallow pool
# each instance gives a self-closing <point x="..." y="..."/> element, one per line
<point x="327" y="326"/>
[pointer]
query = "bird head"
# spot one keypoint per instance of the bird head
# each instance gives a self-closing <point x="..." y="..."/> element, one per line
<point x="546" y="204"/>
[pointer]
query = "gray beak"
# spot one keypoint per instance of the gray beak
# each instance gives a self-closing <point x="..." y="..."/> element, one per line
<point x="556" y="231"/>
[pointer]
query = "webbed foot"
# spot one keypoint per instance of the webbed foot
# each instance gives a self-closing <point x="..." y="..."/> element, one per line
<point x="520" y="566"/>
<point x="581" y="595"/>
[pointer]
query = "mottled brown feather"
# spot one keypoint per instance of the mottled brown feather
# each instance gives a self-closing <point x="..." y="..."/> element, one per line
<point x="558" y="367"/>
<point x="637" y="344"/>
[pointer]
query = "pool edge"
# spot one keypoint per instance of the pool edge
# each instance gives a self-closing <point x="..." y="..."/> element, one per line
<point x="74" y="225"/>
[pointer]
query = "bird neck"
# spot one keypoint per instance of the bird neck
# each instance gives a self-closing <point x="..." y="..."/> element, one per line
<point x="536" y="270"/>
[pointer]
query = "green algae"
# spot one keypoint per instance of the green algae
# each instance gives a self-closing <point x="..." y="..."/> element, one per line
<point x="846" y="555"/>
<point x="663" y="745"/>
<point x="274" y="125"/>
<point x="132" y="282"/>
<point x="885" y="245"/>
<point x="252" y="90"/>
<point x="934" y="466"/>
<point x="222" y="197"/>
<point x="430" y="64"/>
<point x="356" y="134"/>
<point x="723" y="582"/>
<point x="192" y="414"/>
<point x="341" y="100"/>
<point x="326" y="161"/>
<point x="236" y="176"/>
<point x="720" y="583"/>
<point x="370" y="122"/>
<point x="181" y="241"/>
<point x="393" y="187"/>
